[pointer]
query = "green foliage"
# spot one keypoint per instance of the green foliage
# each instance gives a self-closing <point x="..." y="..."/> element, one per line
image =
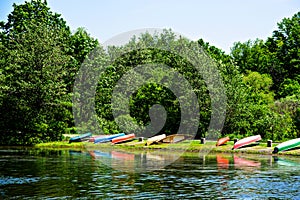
<point x="289" y="87"/>
<point x="278" y="56"/>
<point x="33" y="99"/>
<point x="151" y="94"/>
<point x="40" y="58"/>
<point x="259" y="88"/>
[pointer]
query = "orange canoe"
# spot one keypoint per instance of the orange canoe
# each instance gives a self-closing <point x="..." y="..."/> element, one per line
<point x="222" y="141"/>
<point x="123" y="138"/>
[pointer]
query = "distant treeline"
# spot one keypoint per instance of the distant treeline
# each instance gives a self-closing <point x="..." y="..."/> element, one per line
<point x="40" y="58"/>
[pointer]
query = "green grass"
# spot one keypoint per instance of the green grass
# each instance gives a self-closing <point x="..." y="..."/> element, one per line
<point x="61" y="144"/>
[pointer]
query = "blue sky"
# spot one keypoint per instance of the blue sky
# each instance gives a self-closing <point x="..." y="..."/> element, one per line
<point x="219" y="22"/>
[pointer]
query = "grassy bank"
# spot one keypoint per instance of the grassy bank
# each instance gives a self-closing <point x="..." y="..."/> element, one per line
<point x="189" y="146"/>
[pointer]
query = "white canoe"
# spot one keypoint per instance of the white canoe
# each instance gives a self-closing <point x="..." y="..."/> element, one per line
<point x="155" y="139"/>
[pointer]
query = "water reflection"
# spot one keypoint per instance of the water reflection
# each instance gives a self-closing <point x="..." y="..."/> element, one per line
<point x="245" y="164"/>
<point x="133" y="161"/>
<point x="99" y="174"/>
<point x="287" y="162"/>
<point x="222" y="162"/>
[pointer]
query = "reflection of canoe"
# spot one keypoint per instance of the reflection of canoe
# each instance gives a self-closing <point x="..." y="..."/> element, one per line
<point x="97" y="153"/>
<point x="246" y="141"/>
<point x="222" y="162"/>
<point x="155" y="139"/>
<point x="108" y="138"/>
<point x="92" y="139"/>
<point x="121" y="155"/>
<point x="287" y="145"/>
<point x="75" y="153"/>
<point x="242" y="162"/>
<point x="286" y="162"/>
<point x="80" y="138"/>
<point x="222" y="141"/>
<point x="174" y="138"/>
<point x="123" y="138"/>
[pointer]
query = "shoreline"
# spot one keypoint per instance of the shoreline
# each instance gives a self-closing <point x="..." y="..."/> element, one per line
<point x="192" y="146"/>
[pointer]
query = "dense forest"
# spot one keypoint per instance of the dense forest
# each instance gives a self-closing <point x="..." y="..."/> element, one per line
<point x="40" y="58"/>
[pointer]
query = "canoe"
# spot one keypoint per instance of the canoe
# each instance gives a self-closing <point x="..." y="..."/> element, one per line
<point x="108" y="138"/>
<point x="287" y="145"/>
<point x="123" y="138"/>
<point x="80" y="138"/>
<point x="174" y="138"/>
<point x="246" y="141"/>
<point x="92" y="139"/>
<point x="155" y="139"/>
<point x="222" y="141"/>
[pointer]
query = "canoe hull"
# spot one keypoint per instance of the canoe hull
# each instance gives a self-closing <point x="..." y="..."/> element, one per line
<point x="246" y="141"/>
<point x="222" y="141"/>
<point x="92" y="139"/>
<point x="108" y="138"/>
<point x="287" y="145"/>
<point x="155" y="139"/>
<point x="80" y="138"/>
<point x="122" y="139"/>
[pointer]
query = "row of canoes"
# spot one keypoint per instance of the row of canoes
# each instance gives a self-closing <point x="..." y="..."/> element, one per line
<point x="252" y="139"/>
<point x="122" y="137"/>
<point x="114" y="139"/>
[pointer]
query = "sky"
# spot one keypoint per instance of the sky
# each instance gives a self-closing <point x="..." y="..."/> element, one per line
<point x="219" y="22"/>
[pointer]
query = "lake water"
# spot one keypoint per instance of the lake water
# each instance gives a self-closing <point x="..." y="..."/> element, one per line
<point x="28" y="173"/>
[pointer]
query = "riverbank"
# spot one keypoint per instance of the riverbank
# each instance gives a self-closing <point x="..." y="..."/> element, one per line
<point x="188" y="146"/>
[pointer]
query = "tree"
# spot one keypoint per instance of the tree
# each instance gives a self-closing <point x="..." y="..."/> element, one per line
<point x="285" y="44"/>
<point x="81" y="44"/>
<point x="34" y="105"/>
<point x="278" y="55"/>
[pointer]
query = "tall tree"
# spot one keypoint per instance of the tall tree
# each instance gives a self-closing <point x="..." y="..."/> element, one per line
<point x="35" y="48"/>
<point x="33" y="106"/>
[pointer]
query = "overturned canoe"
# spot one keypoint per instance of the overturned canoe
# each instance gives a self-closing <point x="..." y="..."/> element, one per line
<point x="123" y="138"/>
<point x="287" y="145"/>
<point x="155" y="139"/>
<point x="108" y="138"/>
<point x="92" y="139"/>
<point x="80" y="138"/>
<point x="174" y="138"/>
<point x="246" y="141"/>
<point x="222" y="141"/>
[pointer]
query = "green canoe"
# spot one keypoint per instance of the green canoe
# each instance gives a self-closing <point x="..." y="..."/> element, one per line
<point x="287" y="145"/>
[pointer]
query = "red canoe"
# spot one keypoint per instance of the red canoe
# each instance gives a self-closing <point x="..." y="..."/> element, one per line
<point x="222" y="141"/>
<point x="122" y="138"/>
<point x="246" y="141"/>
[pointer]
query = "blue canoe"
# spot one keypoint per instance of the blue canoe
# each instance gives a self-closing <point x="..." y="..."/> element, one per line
<point x="108" y="138"/>
<point x="80" y="138"/>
